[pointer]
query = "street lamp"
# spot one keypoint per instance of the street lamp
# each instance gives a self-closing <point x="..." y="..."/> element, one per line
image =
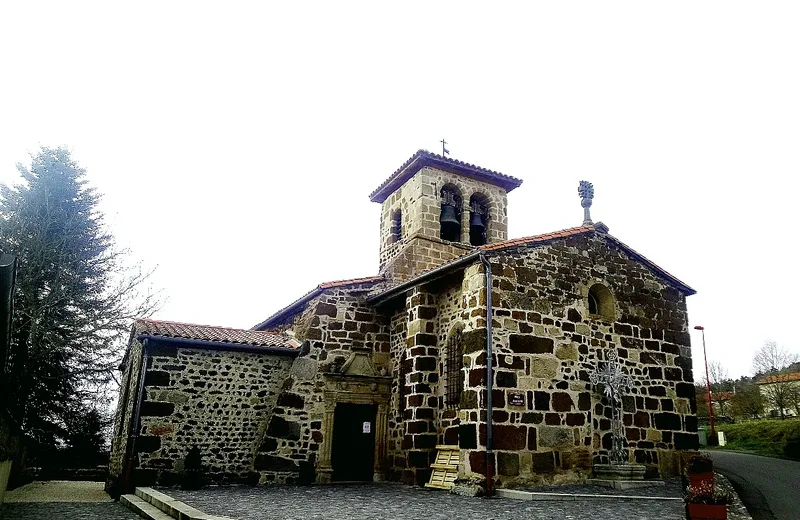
<point x="708" y="381"/>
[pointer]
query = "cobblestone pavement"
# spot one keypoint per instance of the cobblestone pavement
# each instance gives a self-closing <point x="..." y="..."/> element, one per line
<point x="66" y="511"/>
<point x="393" y="501"/>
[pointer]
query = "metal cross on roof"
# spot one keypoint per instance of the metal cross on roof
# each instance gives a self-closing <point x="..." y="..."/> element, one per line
<point x="614" y="380"/>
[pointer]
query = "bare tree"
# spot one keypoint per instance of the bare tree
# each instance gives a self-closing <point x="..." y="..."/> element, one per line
<point x="779" y="389"/>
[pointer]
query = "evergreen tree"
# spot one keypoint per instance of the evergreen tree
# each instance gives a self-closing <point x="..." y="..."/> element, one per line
<point x="74" y="299"/>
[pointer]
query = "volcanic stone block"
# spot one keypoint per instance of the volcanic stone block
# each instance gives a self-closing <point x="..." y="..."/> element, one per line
<point x="147" y="443"/>
<point x="555" y="437"/>
<point x="156" y="378"/>
<point x="506" y="379"/>
<point x="157" y="409"/>
<point x="473" y="340"/>
<point x="584" y="401"/>
<point x="527" y="344"/>
<point x="532" y="418"/>
<point x="544" y="367"/>
<point x="685" y="390"/>
<point x="280" y="428"/>
<point x="467" y="436"/>
<point x="508" y="464"/>
<point x="532" y="439"/>
<point x="687" y="441"/>
<point x="326" y="309"/>
<point x="506" y="437"/>
<point x="562" y="402"/>
<point x="291" y="400"/>
<point x="270" y="462"/>
<point x="541" y="400"/>
<point x="667" y="421"/>
<point x="543" y="462"/>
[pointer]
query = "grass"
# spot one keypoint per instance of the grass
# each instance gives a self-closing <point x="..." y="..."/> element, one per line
<point x="771" y="438"/>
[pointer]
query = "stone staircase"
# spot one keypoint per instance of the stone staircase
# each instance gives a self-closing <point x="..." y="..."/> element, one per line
<point x="152" y="504"/>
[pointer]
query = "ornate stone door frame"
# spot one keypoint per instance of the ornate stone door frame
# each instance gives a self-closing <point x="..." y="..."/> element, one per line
<point x="357" y="383"/>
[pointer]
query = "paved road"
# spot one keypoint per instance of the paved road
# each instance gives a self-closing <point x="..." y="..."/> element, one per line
<point x="769" y="487"/>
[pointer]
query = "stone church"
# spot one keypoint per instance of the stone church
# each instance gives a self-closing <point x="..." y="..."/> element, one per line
<point x="360" y="380"/>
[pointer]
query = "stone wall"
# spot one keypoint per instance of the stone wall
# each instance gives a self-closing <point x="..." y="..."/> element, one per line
<point x="217" y="400"/>
<point x="122" y="418"/>
<point x="546" y="344"/>
<point x="335" y="325"/>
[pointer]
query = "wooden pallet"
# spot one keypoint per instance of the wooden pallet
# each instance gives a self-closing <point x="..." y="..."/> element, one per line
<point x="445" y="467"/>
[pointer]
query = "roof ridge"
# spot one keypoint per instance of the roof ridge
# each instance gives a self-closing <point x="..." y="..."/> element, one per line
<point x="500" y="179"/>
<point x="151" y="320"/>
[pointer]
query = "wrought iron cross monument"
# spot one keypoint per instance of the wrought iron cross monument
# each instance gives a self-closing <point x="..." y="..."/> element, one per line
<point x="614" y="381"/>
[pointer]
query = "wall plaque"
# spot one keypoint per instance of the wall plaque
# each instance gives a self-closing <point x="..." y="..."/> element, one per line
<point x="516" y="399"/>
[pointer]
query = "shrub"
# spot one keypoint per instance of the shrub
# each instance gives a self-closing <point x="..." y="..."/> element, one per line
<point x="700" y="464"/>
<point x="707" y="493"/>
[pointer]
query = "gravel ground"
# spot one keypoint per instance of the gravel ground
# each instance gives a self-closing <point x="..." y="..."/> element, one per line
<point x="392" y="501"/>
<point x="59" y="491"/>
<point x="62" y="499"/>
<point x="66" y="511"/>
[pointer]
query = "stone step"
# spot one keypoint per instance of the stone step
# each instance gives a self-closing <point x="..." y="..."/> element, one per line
<point x="173" y="508"/>
<point x="143" y="508"/>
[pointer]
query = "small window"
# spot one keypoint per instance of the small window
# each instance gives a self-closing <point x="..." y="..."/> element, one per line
<point x="450" y="216"/>
<point x="600" y="302"/>
<point x="454" y="368"/>
<point x="396" y="229"/>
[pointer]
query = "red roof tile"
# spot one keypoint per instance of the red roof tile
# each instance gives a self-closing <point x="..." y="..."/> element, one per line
<point x="314" y="292"/>
<point x="171" y="329"/>
<point x="780" y="378"/>
<point x="425" y="158"/>
<point x="537" y="238"/>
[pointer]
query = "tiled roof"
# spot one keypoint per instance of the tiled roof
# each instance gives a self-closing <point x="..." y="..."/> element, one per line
<point x="425" y="158"/>
<point x="314" y="292"/>
<point x="780" y="378"/>
<point x="171" y="329"/>
<point x="586" y="229"/>
<point x="383" y="292"/>
<point x="546" y="237"/>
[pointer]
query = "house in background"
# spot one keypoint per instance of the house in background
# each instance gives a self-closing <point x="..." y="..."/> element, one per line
<point x="781" y="393"/>
<point x="361" y="379"/>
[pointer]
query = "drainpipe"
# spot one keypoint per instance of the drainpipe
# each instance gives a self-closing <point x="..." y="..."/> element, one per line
<point x="135" y="424"/>
<point x="487" y="267"/>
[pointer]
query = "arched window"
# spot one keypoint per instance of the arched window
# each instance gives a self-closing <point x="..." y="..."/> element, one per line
<point x="600" y="302"/>
<point x="396" y="229"/>
<point x="478" y="219"/>
<point x="454" y="368"/>
<point x="450" y="217"/>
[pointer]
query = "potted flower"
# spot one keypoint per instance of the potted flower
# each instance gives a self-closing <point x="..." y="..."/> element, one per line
<point x="701" y="470"/>
<point x="706" y="502"/>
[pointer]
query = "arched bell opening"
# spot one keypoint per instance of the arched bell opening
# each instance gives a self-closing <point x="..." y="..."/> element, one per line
<point x="450" y="217"/>
<point x="478" y="219"/>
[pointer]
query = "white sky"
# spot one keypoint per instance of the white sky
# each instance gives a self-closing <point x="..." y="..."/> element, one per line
<point x="236" y="142"/>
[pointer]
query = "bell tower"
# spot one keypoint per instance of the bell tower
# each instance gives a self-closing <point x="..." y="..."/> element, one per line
<point x="435" y="209"/>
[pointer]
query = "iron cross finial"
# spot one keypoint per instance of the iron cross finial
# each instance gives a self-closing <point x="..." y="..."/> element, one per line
<point x="586" y="191"/>
<point x="445" y="151"/>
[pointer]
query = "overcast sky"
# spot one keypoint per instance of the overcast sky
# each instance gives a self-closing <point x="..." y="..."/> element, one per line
<point x="236" y="143"/>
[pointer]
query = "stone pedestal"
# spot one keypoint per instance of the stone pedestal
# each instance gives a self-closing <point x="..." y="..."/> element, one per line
<point x="621" y="476"/>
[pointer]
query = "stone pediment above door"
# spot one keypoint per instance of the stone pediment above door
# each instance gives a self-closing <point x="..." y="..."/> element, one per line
<point x="358" y="374"/>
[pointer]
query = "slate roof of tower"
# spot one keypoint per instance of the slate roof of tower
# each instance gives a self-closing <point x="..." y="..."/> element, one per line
<point x="172" y="329"/>
<point x="425" y="158"/>
<point x="383" y="292"/>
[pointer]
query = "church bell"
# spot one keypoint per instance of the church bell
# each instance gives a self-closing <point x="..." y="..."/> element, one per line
<point x="449" y="217"/>
<point x="475" y="220"/>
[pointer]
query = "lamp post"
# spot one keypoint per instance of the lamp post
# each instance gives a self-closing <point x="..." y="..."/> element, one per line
<point x="708" y="381"/>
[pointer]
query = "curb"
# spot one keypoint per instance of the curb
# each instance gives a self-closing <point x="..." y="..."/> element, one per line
<point x="563" y="497"/>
